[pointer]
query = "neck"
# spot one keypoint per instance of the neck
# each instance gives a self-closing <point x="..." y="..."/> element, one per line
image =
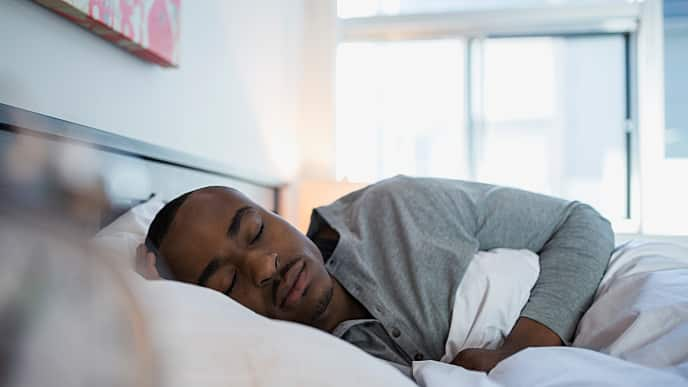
<point x="343" y="307"/>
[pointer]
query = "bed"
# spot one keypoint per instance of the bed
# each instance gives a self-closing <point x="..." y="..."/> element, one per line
<point x="635" y="334"/>
<point x="131" y="170"/>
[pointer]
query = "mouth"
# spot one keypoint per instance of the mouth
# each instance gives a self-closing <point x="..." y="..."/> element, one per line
<point x="293" y="285"/>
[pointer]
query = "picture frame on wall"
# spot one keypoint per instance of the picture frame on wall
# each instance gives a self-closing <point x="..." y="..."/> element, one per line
<point x="148" y="29"/>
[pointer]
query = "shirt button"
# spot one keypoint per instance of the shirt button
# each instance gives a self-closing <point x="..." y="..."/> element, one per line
<point x="418" y="357"/>
<point x="396" y="332"/>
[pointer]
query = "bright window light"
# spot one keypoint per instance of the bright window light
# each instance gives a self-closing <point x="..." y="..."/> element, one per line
<point x="400" y="109"/>
<point x="676" y="86"/>
<point x="548" y="114"/>
<point x="553" y="118"/>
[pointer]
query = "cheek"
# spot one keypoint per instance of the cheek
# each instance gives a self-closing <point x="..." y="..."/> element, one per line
<point x="287" y="236"/>
<point x="321" y="281"/>
<point x="252" y="299"/>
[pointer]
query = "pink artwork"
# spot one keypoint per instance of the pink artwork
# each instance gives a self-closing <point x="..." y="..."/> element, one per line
<point x="146" y="28"/>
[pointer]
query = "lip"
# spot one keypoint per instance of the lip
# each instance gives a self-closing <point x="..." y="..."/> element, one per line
<point x="293" y="285"/>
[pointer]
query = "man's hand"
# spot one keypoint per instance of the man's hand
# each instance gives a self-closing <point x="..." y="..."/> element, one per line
<point x="526" y="333"/>
<point x="145" y="263"/>
<point x="483" y="360"/>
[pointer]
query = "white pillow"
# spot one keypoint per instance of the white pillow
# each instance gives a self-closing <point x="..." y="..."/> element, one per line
<point x="640" y="312"/>
<point x="121" y="237"/>
<point x="206" y="339"/>
<point x="489" y="300"/>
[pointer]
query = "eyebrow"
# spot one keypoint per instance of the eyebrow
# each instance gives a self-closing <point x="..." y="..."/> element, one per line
<point x="235" y="225"/>
<point x="232" y="231"/>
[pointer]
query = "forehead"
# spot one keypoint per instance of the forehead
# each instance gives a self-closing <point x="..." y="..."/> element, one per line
<point x="209" y="200"/>
<point x="199" y="228"/>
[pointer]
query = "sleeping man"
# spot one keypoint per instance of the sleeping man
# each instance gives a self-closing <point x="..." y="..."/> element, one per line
<point x="380" y="267"/>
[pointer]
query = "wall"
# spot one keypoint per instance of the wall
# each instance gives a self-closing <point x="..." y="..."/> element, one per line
<point x="316" y="133"/>
<point x="316" y="121"/>
<point x="233" y="99"/>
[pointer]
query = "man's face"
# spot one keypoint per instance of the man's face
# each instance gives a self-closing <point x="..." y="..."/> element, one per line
<point x="222" y="240"/>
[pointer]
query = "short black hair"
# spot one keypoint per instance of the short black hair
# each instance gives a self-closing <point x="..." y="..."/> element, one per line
<point x="158" y="230"/>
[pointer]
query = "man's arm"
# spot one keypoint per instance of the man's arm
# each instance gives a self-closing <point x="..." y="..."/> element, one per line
<point x="574" y="244"/>
<point x="572" y="264"/>
<point x="526" y="333"/>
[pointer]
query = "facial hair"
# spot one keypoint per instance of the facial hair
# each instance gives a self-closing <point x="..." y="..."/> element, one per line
<point x="322" y="304"/>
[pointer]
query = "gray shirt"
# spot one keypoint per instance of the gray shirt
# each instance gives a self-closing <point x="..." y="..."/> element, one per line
<point x="405" y="243"/>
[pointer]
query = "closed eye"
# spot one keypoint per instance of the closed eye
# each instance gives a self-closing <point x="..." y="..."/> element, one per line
<point x="258" y="234"/>
<point x="231" y="286"/>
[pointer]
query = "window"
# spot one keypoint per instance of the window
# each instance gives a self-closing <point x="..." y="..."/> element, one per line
<point x="550" y="116"/>
<point x="544" y="101"/>
<point x="400" y="109"/>
<point x="535" y="103"/>
<point x="676" y="77"/>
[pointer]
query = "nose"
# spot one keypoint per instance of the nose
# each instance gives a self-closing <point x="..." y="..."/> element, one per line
<point x="264" y="268"/>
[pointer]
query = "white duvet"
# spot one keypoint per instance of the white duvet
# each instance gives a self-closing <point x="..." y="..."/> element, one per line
<point x="634" y="334"/>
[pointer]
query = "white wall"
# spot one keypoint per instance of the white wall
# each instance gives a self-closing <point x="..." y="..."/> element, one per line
<point x="316" y="134"/>
<point x="233" y="99"/>
<point x="316" y="124"/>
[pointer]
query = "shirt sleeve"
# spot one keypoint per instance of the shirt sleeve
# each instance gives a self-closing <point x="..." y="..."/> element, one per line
<point x="574" y="243"/>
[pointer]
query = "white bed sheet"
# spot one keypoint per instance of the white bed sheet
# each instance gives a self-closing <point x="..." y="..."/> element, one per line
<point x="635" y="333"/>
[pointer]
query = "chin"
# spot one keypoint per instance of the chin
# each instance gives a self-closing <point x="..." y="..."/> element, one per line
<point x="322" y="302"/>
<point x="313" y="304"/>
<point x="316" y="298"/>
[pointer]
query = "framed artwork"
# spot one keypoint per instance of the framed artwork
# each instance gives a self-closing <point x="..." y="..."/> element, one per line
<point x="148" y="29"/>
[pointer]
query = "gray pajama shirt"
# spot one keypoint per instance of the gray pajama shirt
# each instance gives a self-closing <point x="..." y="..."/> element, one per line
<point x="405" y="243"/>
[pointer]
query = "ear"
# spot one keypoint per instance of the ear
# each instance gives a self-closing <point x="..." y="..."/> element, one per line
<point x="145" y="263"/>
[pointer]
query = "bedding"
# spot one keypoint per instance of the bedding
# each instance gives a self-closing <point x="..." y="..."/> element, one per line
<point x="489" y="300"/>
<point x="120" y="238"/>
<point x="635" y="333"/>
<point x="641" y="308"/>
<point x="203" y="338"/>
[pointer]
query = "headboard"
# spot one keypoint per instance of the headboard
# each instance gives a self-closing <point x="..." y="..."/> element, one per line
<point x="132" y="170"/>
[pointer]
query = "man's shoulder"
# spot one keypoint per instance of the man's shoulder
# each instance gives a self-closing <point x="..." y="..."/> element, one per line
<point x="423" y="186"/>
<point x="416" y="194"/>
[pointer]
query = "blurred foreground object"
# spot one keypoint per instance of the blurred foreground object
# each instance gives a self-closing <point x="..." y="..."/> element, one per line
<point x="51" y="179"/>
<point x="66" y="317"/>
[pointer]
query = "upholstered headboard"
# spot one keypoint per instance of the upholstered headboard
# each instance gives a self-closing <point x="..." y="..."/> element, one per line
<point x="131" y="170"/>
